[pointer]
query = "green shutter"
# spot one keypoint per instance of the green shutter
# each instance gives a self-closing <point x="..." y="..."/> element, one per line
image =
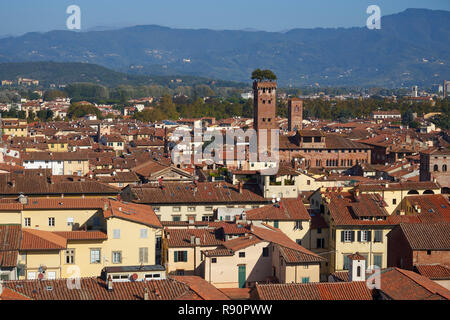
<point x="175" y="256"/>
<point x="185" y="256"/>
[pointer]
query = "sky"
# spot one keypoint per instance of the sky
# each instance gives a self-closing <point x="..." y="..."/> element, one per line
<point x="21" y="16"/>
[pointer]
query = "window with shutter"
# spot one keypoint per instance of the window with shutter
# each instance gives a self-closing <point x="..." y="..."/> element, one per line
<point x="378" y="236"/>
<point x="377" y="259"/>
<point x="175" y="256"/>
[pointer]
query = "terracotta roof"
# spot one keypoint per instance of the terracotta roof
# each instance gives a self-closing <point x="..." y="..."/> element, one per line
<point x="201" y="287"/>
<point x="133" y="212"/>
<point x="341" y="210"/>
<point x="32" y="184"/>
<point x="315" y="291"/>
<point x="33" y="239"/>
<point x="220" y="251"/>
<point x="277" y="237"/>
<point x="9" y="294"/>
<point x="205" y="192"/>
<point x="286" y="209"/>
<point x="433" y="207"/>
<point x="10" y="237"/>
<point x="182" y="237"/>
<point x="95" y="289"/>
<point x="297" y="256"/>
<point x="399" y="284"/>
<point x="433" y="271"/>
<point x="8" y="258"/>
<point x="82" y="235"/>
<point x="356" y="256"/>
<point x="407" y="185"/>
<point x="63" y="203"/>
<point x="55" y="156"/>
<point x="427" y="236"/>
<point x="229" y="227"/>
<point x="241" y="242"/>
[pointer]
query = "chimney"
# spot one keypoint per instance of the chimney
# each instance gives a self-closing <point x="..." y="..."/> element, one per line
<point x="109" y="283"/>
<point x="146" y="296"/>
<point x="417" y="207"/>
<point x="197" y="241"/>
<point x="241" y="186"/>
<point x="191" y="220"/>
<point x="193" y="240"/>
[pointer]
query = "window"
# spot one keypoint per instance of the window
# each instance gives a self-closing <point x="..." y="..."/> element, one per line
<point x="364" y="236"/>
<point x="320" y="243"/>
<point x="298" y="225"/>
<point x="265" y="252"/>
<point x="176" y="209"/>
<point x="299" y="241"/>
<point x="241" y="254"/>
<point x="214" y="260"/>
<point x="347" y="236"/>
<point x="117" y="257"/>
<point x="176" y="218"/>
<point x="70" y="256"/>
<point x="444" y="167"/>
<point x="51" y="222"/>
<point x="180" y="256"/>
<point x="70" y="221"/>
<point x="346" y="261"/>
<point x="207" y="218"/>
<point x="378" y="236"/>
<point x="435" y="168"/>
<point x="191" y="209"/>
<point x="27" y="222"/>
<point x="95" y="255"/>
<point x="143" y="255"/>
<point x="428" y="252"/>
<point x="394" y="201"/>
<point x="144" y="233"/>
<point x="275" y="223"/>
<point x="377" y="259"/>
<point x="208" y="208"/>
<point x="116" y="234"/>
<point x="319" y="230"/>
<point x="156" y="209"/>
<point x="305" y="279"/>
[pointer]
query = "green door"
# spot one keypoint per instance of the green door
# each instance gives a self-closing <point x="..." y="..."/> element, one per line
<point x="242" y="276"/>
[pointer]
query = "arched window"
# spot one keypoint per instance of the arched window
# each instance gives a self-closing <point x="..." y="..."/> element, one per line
<point x="296" y="109"/>
<point x="444" y="167"/>
<point x="413" y="192"/>
<point x="435" y="168"/>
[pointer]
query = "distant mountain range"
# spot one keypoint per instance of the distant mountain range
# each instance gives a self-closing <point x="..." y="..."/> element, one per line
<point x="70" y="72"/>
<point x="411" y="48"/>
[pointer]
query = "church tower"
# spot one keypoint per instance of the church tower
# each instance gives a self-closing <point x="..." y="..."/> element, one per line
<point x="295" y="114"/>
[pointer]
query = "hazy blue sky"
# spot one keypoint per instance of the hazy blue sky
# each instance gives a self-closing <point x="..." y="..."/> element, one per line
<point x="20" y="16"/>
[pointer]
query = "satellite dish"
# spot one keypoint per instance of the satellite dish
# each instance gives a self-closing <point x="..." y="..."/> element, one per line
<point x="273" y="200"/>
<point x="278" y="199"/>
<point x="134" y="276"/>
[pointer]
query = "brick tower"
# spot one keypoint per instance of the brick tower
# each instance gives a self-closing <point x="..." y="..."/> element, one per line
<point x="295" y="114"/>
<point x="264" y="107"/>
